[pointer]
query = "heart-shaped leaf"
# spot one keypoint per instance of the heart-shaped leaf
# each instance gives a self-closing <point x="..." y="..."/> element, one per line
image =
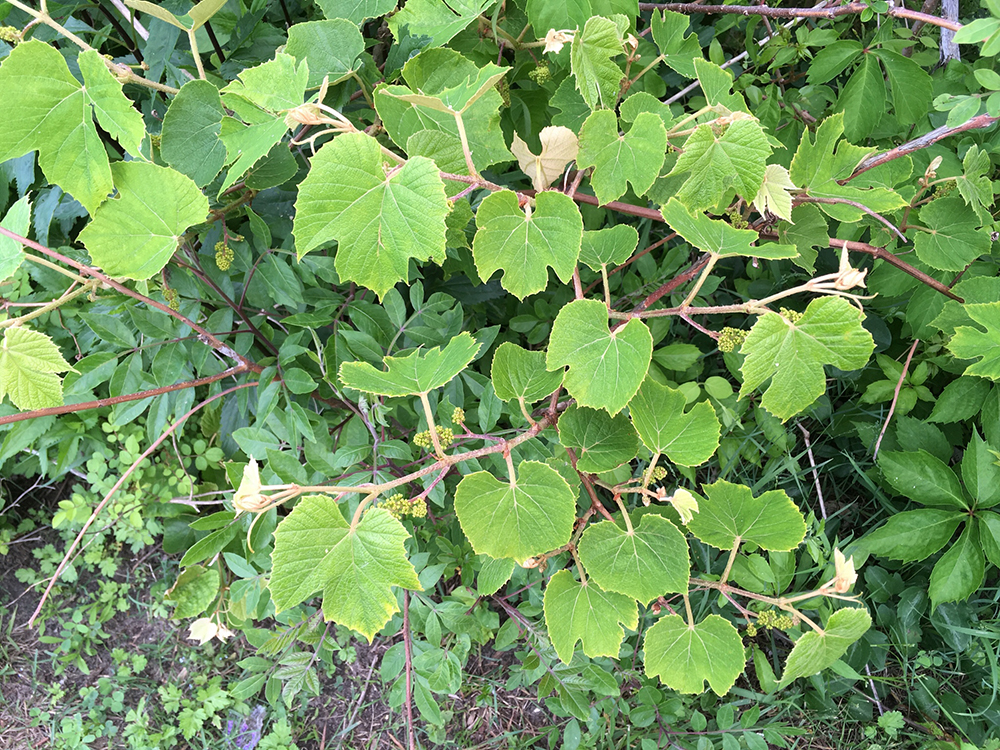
<point x="576" y="611"/>
<point x="771" y="521"/>
<point x="685" y="657"/>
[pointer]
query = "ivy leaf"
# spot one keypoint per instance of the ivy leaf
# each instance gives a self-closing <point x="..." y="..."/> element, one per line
<point x="136" y="233"/>
<point x="47" y="110"/>
<point x="415" y="373"/>
<point x="29" y="362"/>
<point x="610" y="246"/>
<point x="17" y="220"/>
<point x="719" y="237"/>
<point x="518" y="373"/>
<point x="792" y="355"/>
<point x="950" y="240"/>
<point x="685" y="657"/>
<point x="678" y="48"/>
<point x="437" y="19"/>
<point x="635" y="157"/>
<point x="598" y="77"/>
<point x="576" y="611"/>
<point x="356" y="567"/>
<point x="647" y="562"/>
<point x="380" y="220"/>
<point x="190" y="140"/>
<point x="333" y="49"/>
<point x="913" y="534"/>
<point x="771" y="521"/>
<point x="813" y="652"/>
<point x="559" y="147"/>
<point x="974" y="185"/>
<point x="687" y="439"/>
<point x="773" y="195"/>
<point x="356" y="11"/>
<point x="525" y="242"/>
<point x="601" y="442"/>
<point x="606" y="367"/>
<point x="984" y="346"/>
<point x="735" y="159"/>
<point x="530" y="514"/>
<point x="922" y="478"/>
<point x="817" y="166"/>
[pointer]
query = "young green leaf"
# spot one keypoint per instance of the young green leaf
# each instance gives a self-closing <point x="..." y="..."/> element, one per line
<point x="685" y="656"/>
<point x="190" y="140"/>
<point x="576" y="611"/>
<point x="434" y="18"/>
<point x="17" y="220"/>
<point x="380" y="220"/>
<point x="810" y="231"/>
<point x="950" y="240"/>
<point x="525" y="242"/>
<point x="601" y="442"/>
<point x="862" y="100"/>
<point x="981" y="472"/>
<point x="914" y="534"/>
<point x="911" y="86"/>
<point x="527" y="515"/>
<point x="687" y="439"/>
<point x="647" y="562"/>
<point x="814" y="652"/>
<point x="356" y="11"/>
<point x="606" y="367"/>
<point x="193" y="591"/>
<point x="356" y="567"/>
<point x="773" y="195"/>
<point x="598" y="77"/>
<point x="608" y="246"/>
<point x="29" y="362"/>
<point x="635" y="157"/>
<point x="136" y="233"/>
<point x="493" y="574"/>
<point x="414" y="373"/>
<point x="792" y="355"/>
<point x="959" y="572"/>
<point x="719" y="237"/>
<point x="274" y="86"/>
<point x="333" y="49"/>
<point x="984" y="346"/>
<point x="518" y="373"/>
<point x="771" y="520"/>
<point x="679" y="48"/>
<point x="974" y="185"/>
<point x="922" y="478"/>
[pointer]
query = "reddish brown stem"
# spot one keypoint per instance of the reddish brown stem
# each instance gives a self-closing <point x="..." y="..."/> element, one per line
<point x="675" y="282"/>
<point x="407" y="645"/>
<point x="902" y="265"/>
<point x="895" y="396"/>
<point x="622" y="208"/>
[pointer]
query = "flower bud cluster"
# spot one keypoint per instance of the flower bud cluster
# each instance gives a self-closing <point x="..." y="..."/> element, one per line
<point x="731" y="339"/>
<point x="445" y="436"/>
<point x="400" y="507"/>
<point x="770" y="619"/>
<point x="223" y="256"/>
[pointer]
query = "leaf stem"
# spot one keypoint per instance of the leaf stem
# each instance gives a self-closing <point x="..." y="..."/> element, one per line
<point x="628" y="521"/>
<point x="55" y="304"/>
<point x="712" y="260"/>
<point x="465" y="145"/>
<point x="732" y="558"/>
<point x="687" y="610"/>
<point x="429" y="413"/>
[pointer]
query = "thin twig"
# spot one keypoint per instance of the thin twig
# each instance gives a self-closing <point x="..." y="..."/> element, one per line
<point x="407" y="645"/>
<point x="812" y="464"/>
<point x="902" y="265"/>
<point x="833" y="201"/>
<point x="895" y="397"/>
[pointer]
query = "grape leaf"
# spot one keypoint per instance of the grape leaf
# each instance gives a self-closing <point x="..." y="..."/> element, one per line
<point x="29" y="362"/>
<point x="606" y="367"/>
<point x="355" y="566"/>
<point x="194" y="19"/>
<point x="524" y="242"/>
<point x="601" y="442"/>
<point x="274" y="86"/>
<point x="974" y="185"/>
<point x="818" y="165"/>
<point x="379" y="220"/>
<point x="17" y="220"/>
<point x="684" y="656"/>
<point x="598" y="77"/>
<point x="635" y="157"/>
<point x="518" y="373"/>
<point x="647" y="562"/>
<point x="792" y="355"/>
<point x="814" y="652"/>
<point x="608" y="246"/>
<point x="678" y="48"/>
<point x="247" y="145"/>
<point x="773" y="195"/>
<point x="576" y="611"/>
<point x="458" y="99"/>
<point x="735" y="159"/>
<point x="717" y="84"/>
<point x="415" y="373"/>
<point x="47" y="110"/>
<point x="687" y="439"/>
<point x="356" y="11"/>
<point x="135" y="234"/>
<point x="333" y="49"/>
<point x="530" y="514"/>
<point x="437" y="19"/>
<point x="771" y="521"/>
<point x="545" y="15"/>
<point x="984" y="346"/>
<point x="809" y="232"/>
<point x="950" y="240"/>
<point x="190" y="140"/>
<point x="719" y="237"/>
<point x="195" y="588"/>
<point x="559" y="147"/>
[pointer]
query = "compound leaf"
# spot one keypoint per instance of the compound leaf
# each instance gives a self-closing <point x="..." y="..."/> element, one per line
<point x="914" y="534"/>
<point x="685" y="656"/>
<point x="417" y="372"/>
<point x="576" y="611"/>
<point x="135" y="233"/>
<point x="814" y="652"/>
<point x="29" y="362"/>
<point x="922" y="478"/>
<point x="959" y="572"/>
<point x="792" y="355"/>
<point x="687" y="439"/>
<point x="647" y="562"/>
<point x="380" y="220"/>
<point x="771" y="521"/>
<point x="984" y="346"/>
<point x="531" y="513"/>
<point x="524" y="243"/>
<point x="635" y="157"/>
<point x="601" y="442"/>
<point x="355" y="566"/>
<point x="719" y="237"/>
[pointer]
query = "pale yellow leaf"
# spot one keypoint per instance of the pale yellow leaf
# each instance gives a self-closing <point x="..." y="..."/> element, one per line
<point x="559" y="148"/>
<point x="203" y="630"/>
<point x="773" y="195"/>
